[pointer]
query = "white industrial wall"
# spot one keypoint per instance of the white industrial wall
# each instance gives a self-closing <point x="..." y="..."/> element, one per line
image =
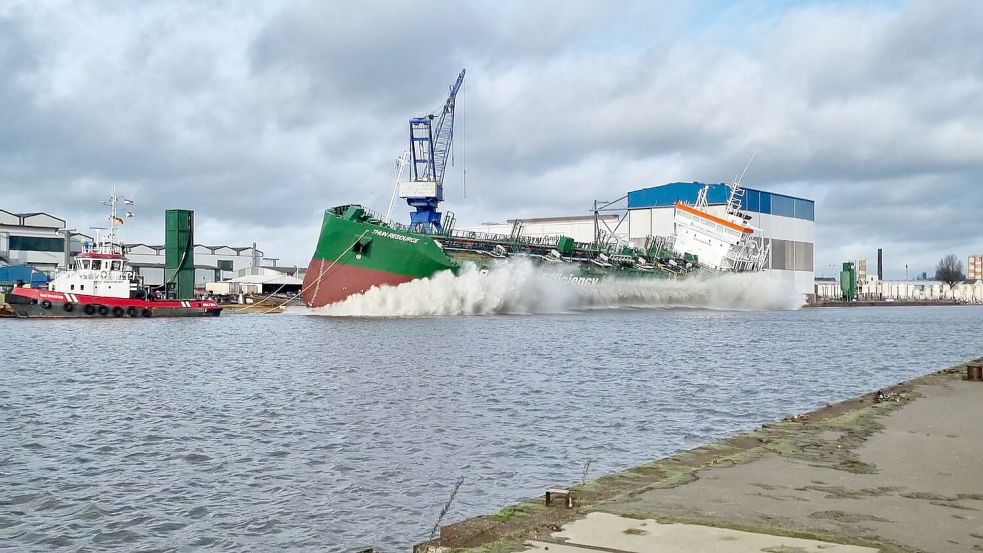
<point x="581" y="230"/>
<point x="154" y="276"/>
<point x="803" y="282"/>
<point x="43" y="261"/>
<point x="140" y="254"/>
<point x="658" y="221"/>
<point x="211" y="260"/>
<point x="902" y="290"/>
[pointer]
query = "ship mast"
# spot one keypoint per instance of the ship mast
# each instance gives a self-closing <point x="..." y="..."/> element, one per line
<point x="108" y="242"/>
<point x="736" y="192"/>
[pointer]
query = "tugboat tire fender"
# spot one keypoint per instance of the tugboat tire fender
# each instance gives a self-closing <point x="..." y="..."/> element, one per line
<point x="103" y="310"/>
<point x="45" y="304"/>
<point x="147" y="312"/>
<point x="118" y="311"/>
<point x="90" y="309"/>
<point x="131" y="311"/>
<point x="68" y="307"/>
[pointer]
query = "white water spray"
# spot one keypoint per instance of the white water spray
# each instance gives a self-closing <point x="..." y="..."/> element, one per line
<point x="519" y="287"/>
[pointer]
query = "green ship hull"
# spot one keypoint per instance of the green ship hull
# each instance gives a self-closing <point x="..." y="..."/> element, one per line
<point x="358" y="250"/>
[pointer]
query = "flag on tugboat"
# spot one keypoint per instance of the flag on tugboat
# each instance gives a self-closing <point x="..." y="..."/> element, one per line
<point x="116" y="220"/>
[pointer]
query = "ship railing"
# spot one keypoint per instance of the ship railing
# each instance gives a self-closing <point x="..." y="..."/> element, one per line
<point x="372" y="216"/>
<point x="375" y="217"/>
<point x="748" y="255"/>
<point x="661" y="247"/>
<point x="503" y="239"/>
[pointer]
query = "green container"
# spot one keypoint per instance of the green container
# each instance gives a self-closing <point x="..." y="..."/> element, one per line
<point x="354" y="213"/>
<point x="179" y="253"/>
<point x="565" y="245"/>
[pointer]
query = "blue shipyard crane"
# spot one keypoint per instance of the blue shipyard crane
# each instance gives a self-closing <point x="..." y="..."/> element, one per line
<point x="431" y="137"/>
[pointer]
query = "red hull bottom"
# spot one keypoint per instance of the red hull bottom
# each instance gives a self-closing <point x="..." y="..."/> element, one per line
<point x="324" y="285"/>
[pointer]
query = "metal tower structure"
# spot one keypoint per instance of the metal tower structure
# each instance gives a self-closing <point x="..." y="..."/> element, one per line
<point x="431" y="137"/>
<point x="179" y="253"/>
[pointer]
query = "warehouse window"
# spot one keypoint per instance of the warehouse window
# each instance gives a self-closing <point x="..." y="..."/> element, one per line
<point x="778" y="253"/>
<point x="782" y="205"/>
<point x="787" y="255"/>
<point x="225" y="265"/>
<point x="36" y="244"/>
<point x="803" y="256"/>
<point x="751" y="201"/>
<point x="804" y="209"/>
<point x="765" y="200"/>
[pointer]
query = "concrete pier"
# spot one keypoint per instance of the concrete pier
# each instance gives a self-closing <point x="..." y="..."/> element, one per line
<point x="897" y="470"/>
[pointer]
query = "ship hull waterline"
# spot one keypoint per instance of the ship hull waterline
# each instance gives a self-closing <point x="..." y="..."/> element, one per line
<point x="34" y="303"/>
<point x="325" y="283"/>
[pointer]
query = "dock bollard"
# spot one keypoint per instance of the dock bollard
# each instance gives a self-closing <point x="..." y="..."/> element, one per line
<point x="559" y="494"/>
<point x="974" y="371"/>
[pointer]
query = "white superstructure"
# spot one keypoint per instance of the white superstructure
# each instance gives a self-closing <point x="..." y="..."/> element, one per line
<point x="723" y="242"/>
<point x="100" y="268"/>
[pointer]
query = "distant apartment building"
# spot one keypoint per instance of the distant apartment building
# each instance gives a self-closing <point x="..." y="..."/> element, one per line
<point x="861" y="265"/>
<point x="974" y="269"/>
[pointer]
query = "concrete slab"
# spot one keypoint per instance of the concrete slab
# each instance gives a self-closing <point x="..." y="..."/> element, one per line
<point x="614" y="533"/>
<point x="922" y="486"/>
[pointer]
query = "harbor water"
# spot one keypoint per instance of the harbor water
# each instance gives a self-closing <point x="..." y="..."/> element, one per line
<point x="329" y="433"/>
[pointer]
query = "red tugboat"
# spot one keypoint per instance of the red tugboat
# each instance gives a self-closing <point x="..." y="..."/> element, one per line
<point x="101" y="285"/>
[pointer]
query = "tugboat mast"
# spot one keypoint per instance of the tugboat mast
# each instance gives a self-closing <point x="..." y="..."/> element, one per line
<point x="108" y="242"/>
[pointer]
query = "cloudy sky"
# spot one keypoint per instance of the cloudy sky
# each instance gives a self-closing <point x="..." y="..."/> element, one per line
<point x="259" y="115"/>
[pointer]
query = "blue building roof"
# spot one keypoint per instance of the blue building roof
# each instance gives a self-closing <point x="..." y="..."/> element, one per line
<point x="754" y="201"/>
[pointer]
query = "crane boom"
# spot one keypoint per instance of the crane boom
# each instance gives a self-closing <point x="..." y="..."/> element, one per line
<point x="445" y="131"/>
<point x="430" y="147"/>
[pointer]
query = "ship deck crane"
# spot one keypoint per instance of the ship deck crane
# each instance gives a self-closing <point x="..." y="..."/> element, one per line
<point x="431" y="137"/>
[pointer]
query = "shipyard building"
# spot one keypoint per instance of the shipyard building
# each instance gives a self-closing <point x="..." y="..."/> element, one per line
<point x="787" y="224"/>
<point x="212" y="263"/>
<point x="38" y="240"/>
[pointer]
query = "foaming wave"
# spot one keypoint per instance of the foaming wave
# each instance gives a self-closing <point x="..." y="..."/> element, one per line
<point x="732" y="291"/>
<point x="520" y="287"/>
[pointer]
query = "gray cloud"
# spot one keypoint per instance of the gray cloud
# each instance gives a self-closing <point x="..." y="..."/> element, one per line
<point x="260" y="116"/>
